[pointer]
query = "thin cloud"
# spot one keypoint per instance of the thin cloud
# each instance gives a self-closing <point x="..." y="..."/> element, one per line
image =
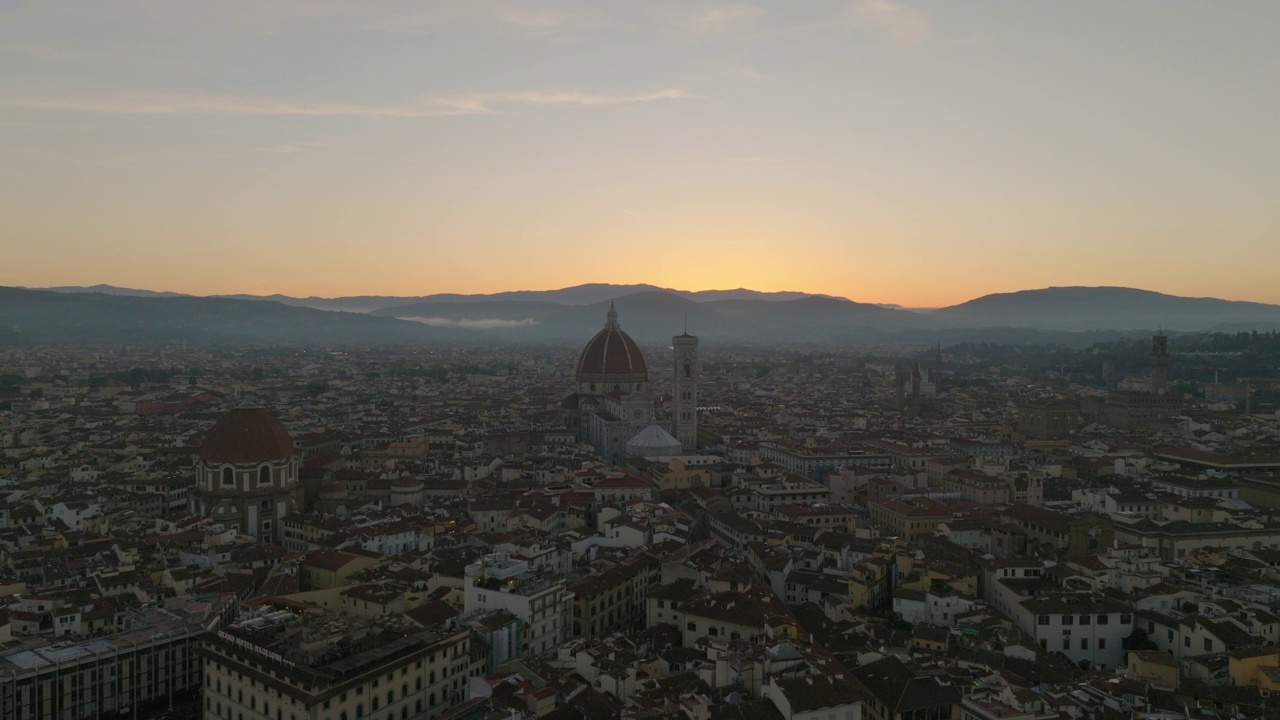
<point x="287" y="148"/>
<point x="747" y="74"/>
<point x="173" y="104"/>
<point x="528" y="19"/>
<point x="695" y="23"/>
<point x="896" y="23"/>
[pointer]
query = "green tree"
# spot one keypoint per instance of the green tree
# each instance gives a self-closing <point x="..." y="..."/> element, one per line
<point x="1138" y="640"/>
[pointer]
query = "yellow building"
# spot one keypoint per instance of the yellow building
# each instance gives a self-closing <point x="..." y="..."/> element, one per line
<point x="323" y="664"/>
<point x="332" y="568"/>
<point x="1259" y="667"/>
<point x="1154" y="666"/>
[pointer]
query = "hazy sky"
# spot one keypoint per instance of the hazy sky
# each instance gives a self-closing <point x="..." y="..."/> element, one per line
<point x="885" y="150"/>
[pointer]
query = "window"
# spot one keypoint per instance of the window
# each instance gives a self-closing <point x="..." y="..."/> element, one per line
<point x="1066" y="643"/>
<point x="1126" y="619"/>
<point x="1043" y="620"/>
<point x="1084" y="619"/>
<point x="1068" y="619"/>
<point x="1084" y="643"/>
<point x="1208" y="644"/>
<point x="1103" y="619"/>
<point x="1186" y="641"/>
<point x="1102" y="643"/>
<point x="264" y="475"/>
<point x="228" y="477"/>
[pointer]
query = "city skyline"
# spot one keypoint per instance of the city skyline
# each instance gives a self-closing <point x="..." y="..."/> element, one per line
<point x="918" y="153"/>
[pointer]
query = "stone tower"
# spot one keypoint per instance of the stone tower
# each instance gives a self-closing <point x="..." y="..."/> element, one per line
<point x="684" y="390"/>
<point x="1159" y="363"/>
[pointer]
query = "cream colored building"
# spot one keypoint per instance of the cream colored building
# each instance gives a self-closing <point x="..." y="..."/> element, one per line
<point x="322" y="665"/>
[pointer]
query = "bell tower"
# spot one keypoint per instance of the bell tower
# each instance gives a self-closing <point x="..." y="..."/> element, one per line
<point x="1159" y="363"/>
<point x="684" y="390"/>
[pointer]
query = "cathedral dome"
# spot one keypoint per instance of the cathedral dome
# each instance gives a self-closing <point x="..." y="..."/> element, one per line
<point x="246" y="436"/>
<point x="612" y="357"/>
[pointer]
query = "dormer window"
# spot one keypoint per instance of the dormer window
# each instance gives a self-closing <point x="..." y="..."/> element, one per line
<point x="228" y="477"/>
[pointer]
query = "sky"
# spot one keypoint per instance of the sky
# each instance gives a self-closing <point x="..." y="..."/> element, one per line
<point x="905" y="151"/>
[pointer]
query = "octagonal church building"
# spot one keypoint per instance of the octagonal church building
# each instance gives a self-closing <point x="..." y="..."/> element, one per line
<point x="247" y="474"/>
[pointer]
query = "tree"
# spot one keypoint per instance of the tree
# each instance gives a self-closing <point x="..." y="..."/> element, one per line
<point x="1138" y="640"/>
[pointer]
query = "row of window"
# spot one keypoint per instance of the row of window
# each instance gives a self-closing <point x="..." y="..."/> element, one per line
<point x="1084" y="644"/>
<point x="1125" y="619"/>
<point x="229" y="476"/>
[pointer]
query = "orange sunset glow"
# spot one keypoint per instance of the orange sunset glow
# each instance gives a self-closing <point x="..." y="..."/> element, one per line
<point x="919" y="153"/>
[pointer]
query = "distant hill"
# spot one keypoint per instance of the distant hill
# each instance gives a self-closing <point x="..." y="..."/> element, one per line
<point x="1105" y="308"/>
<point x="44" y="317"/>
<point x="577" y="295"/>
<point x="655" y="316"/>
<point x="1068" y="315"/>
<point x="587" y="294"/>
<point x="111" y="290"/>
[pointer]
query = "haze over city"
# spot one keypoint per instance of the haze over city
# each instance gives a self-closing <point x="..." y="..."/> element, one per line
<point x="920" y="153"/>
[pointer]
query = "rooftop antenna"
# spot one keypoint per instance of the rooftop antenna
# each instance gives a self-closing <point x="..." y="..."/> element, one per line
<point x="686" y="323"/>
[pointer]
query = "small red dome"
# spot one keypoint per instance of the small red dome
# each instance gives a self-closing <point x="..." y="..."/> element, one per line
<point x="611" y="352"/>
<point x="246" y="436"/>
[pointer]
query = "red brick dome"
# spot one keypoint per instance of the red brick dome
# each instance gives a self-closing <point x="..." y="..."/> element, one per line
<point x="612" y="356"/>
<point x="246" y="436"/>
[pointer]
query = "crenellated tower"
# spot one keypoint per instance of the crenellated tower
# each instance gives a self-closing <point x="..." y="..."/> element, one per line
<point x="1159" y="363"/>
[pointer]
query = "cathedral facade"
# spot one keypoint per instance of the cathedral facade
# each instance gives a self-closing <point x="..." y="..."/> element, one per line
<point x="611" y="407"/>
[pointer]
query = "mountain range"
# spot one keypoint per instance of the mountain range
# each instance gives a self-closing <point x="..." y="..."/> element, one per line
<point x="1073" y="315"/>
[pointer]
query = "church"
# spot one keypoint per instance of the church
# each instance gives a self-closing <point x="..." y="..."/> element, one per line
<point x="611" y="407"/>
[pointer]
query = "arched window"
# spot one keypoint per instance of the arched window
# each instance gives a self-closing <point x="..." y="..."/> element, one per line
<point x="360" y="710"/>
<point x="374" y="704"/>
<point x="228" y="477"/>
<point x="342" y="715"/>
<point x="264" y="475"/>
<point x="687" y="372"/>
